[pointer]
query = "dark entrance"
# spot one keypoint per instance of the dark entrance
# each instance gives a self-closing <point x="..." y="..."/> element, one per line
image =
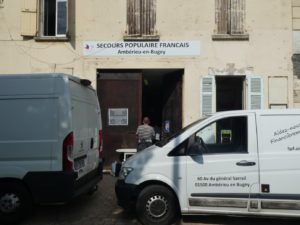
<point x="153" y="93"/>
<point x="229" y="93"/>
<point x="162" y="100"/>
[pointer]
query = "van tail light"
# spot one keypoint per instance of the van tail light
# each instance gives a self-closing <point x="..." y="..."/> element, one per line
<point x="67" y="152"/>
<point x="100" y="144"/>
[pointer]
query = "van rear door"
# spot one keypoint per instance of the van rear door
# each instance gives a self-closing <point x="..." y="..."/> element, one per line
<point x="86" y="127"/>
<point x="224" y="177"/>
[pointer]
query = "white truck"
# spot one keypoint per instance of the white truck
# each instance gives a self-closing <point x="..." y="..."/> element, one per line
<point x="231" y="163"/>
<point x="50" y="141"/>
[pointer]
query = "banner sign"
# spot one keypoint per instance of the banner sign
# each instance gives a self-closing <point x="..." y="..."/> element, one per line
<point x="142" y="48"/>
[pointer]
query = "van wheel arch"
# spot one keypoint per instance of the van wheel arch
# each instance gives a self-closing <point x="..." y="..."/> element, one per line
<point x="16" y="200"/>
<point x="165" y="195"/>
<point x="141" y="186"/>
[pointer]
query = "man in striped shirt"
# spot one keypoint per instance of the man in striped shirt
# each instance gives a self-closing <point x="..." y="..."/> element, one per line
<point x="145" y="134"/>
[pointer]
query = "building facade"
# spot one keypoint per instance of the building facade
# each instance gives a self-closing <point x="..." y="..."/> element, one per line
<point x="173" y="61"/>
<point x="296" y="50"/>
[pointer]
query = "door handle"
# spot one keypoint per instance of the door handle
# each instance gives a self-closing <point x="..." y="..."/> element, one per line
<point x="92" y="143"/>
<point x="245" y="163"/>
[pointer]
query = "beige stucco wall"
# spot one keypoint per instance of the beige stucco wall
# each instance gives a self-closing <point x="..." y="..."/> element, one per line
<point x="267" y="53"/>
<point x="296" y="49"/>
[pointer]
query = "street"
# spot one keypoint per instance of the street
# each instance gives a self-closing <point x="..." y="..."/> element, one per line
<point x="101" y="209"/>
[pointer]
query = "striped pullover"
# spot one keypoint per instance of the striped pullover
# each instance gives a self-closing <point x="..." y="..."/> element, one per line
<point x="145" y="132"/>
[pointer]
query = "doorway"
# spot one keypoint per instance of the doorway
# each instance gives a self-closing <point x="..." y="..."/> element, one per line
<point x="132" y="95"/>
<point x="229" y="93"/>
<point x="162" y="100"/>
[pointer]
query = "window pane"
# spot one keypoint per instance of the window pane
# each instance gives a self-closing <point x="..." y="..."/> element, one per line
<point x="61" y="17"/>
<point x="49" y="18"/>
<point x="225" y="136"/>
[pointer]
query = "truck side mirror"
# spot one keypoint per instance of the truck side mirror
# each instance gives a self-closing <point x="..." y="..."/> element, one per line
<point x="195" y="150"/>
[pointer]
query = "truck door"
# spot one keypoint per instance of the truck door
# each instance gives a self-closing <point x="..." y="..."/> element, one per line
<point x="225" y="176"/>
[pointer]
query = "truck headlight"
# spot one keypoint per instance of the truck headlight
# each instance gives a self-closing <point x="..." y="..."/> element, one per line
<point x="125" y="171"/>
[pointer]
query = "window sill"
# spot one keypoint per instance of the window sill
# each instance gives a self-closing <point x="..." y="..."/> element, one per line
<point x="141" y="38"/>
<point x="230" y="37"/>
<point x="54" y="38"/>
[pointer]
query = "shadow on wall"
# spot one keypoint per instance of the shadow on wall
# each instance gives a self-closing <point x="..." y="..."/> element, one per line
<point x="71" y="33"/>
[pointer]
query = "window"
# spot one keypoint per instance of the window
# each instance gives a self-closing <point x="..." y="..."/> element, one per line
<point x="230" y="19"/>
<point x="53" y="18"/>
<point x="223" y="136"/>
<point x="141" y="20"/>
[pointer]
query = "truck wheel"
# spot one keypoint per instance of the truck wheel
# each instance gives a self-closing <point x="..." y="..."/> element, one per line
<point x="157" y="205"/>
<point x="15" y="202"/>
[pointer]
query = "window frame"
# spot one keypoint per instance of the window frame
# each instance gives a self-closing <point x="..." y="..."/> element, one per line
<point x="41" y="23"/>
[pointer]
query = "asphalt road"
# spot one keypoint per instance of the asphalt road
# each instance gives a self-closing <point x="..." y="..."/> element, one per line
<point x="101" y="209"/>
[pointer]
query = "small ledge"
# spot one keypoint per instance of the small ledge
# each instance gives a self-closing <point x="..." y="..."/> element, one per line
<point x="141" y="38"/>
<point x="230" y="37"/>
<point x="53" y="38"/>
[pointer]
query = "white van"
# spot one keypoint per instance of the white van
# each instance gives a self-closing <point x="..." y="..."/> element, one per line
<point x="50" y="141"/>
<point x="232" y="163"/>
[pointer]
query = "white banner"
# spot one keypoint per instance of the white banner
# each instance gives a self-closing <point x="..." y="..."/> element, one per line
<point x="149" y="48"/>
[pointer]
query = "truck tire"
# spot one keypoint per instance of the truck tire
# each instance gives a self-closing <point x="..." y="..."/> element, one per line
<point x="156" y="204"/>
<point x="15" y="202"/>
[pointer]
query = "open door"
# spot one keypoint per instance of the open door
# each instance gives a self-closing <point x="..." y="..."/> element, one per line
<point x="172" y="103"/>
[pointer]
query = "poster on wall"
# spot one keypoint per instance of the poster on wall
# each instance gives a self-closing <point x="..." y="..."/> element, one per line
<point x="118" y="116"/>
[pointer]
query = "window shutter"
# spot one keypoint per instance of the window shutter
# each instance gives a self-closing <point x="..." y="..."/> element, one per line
<point x="237" y="16"/>
<point x="222" y="15"/>
<point x="133" y="17"/>
<point x="208" y="95"/>
<point x="255" y="92"/>
<point x="148" y="8"/>
<point x="29" y="17"/>
<point x="152" y="16"/>
<point x="71" y="19"/>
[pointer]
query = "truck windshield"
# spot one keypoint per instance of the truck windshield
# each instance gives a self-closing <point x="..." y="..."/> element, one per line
<point x="176" y="134"/>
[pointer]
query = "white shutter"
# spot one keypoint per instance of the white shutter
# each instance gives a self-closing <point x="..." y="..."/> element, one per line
<point x="255" y="92"/>
<point x="29" y="17"/>
<point x="208" y="102"/>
